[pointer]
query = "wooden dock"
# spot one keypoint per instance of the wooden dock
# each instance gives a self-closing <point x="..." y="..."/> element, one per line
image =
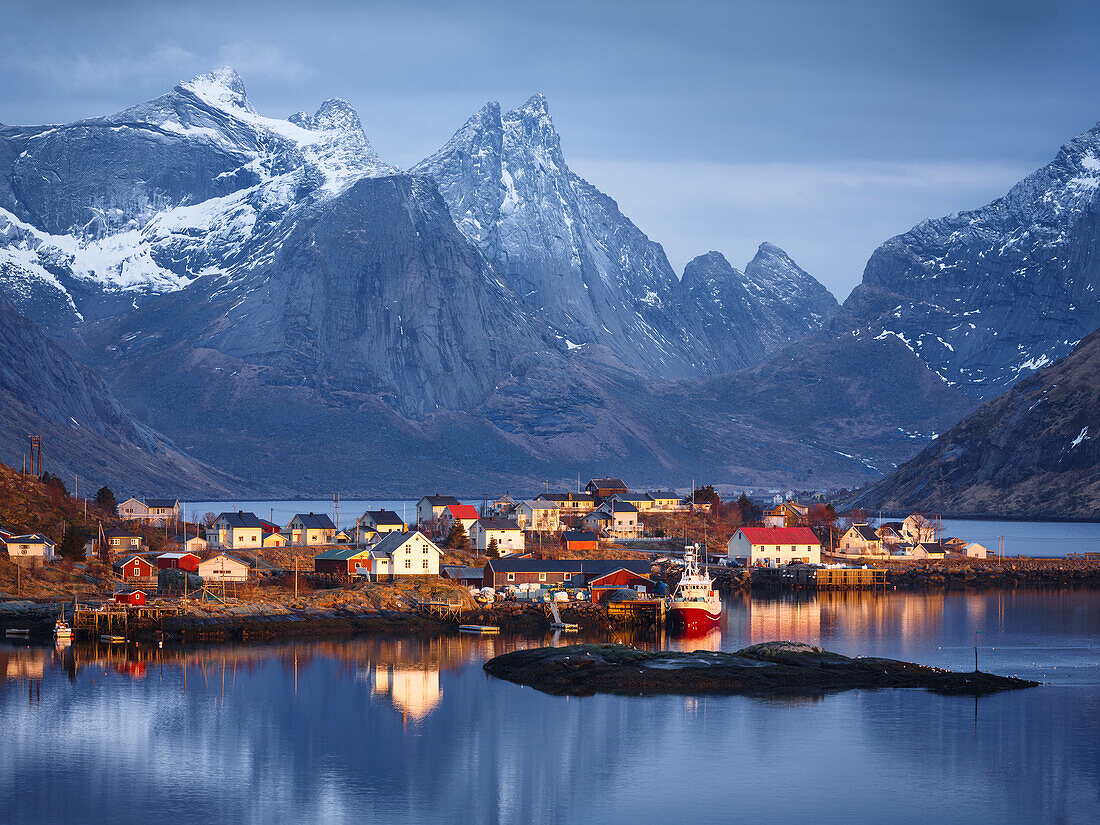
<point x="119" y="620"/>
<point x="820" y="578"/>
<point x="445" y="611"/>
<point x="637" y="612"/>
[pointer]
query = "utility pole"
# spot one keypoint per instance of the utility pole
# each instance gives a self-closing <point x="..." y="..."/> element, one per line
<point x="976" y="632"/>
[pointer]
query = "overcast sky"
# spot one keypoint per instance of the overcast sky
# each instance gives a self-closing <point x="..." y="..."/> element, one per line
<point x="823" y="127"/>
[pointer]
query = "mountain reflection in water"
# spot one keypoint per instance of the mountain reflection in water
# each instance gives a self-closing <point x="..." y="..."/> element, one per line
<point x="412" y="730"/>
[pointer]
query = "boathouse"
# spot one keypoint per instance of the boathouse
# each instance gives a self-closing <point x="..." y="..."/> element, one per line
<point x="131" y="598"/>
<point x="178" y="561"/>
<point x="137" y="569"/>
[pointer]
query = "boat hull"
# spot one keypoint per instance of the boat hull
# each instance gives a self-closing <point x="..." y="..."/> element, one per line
<point x="694" y="617"/>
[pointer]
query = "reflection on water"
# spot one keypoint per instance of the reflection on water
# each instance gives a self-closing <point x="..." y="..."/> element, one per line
<point x="412" y="730"/>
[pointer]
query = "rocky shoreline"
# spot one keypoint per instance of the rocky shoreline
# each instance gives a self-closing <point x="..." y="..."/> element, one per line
<point x="768" y="669"/>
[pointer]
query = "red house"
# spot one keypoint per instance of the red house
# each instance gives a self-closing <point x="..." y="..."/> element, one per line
<point x="617" y="580"/>
<point x="130" y="598"/>
<point x="178" y="561"/>
<point x="138" y="569"/>
<point x="580" y="540"/>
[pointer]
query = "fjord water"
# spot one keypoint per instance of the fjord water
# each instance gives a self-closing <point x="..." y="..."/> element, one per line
<point x="411" y="730"/>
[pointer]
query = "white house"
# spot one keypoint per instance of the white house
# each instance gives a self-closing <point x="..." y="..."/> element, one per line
<point x="190" y="544"/>
<point x="430" y="508"/>
<point x="615" y="518"/>
<point x="507" y="533"/>
<point x="235" y="531"/>
<point x="381" y="522"/>
<point x="539" y="515"/>
<point x="223" y="568"/>
<point x="775" y="546"/>
<point x="158" y="511"/>
<point x="917" y="528"/>
<point x="32" y="548"/>
<point x="861" y="540"/>
<point x="976" y="551"/>
<point x="410" y="554"/>
<point x="311" y="529"/>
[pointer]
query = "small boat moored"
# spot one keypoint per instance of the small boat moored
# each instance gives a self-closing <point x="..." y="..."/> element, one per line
<point x="695" y="604"/>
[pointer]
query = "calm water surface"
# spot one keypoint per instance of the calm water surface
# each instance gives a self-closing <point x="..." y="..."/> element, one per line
<point x="412" y="731"/>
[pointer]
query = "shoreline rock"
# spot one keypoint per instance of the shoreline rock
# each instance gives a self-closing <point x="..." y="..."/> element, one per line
<point x="768" y="669"/>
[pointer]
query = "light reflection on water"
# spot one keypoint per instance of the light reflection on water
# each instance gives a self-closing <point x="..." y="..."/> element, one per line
<point x="411" y="730"/>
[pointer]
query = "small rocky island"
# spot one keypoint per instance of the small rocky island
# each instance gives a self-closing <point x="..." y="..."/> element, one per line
<point x="768" y="669"/>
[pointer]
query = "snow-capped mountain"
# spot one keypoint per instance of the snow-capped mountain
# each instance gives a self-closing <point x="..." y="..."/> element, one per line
<point x="571" y="255"/>
<point x="746" y="315"/>
<point x="986" y="297"/>
<point x="99" y="214"/>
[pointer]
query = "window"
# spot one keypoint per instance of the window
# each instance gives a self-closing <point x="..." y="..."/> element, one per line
<point x="542" y="577"/>
<point x="511" y="577"/>
<point x="408" y="564"/>
<point x="425" y="564"/>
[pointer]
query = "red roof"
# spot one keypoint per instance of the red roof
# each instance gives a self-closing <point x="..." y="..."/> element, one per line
<point x="780" y="535"/>
<point x="463" y="511"/>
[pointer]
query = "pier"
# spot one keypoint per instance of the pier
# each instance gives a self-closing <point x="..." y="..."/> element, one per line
<point x="637" y="612"/>
<point x="111" y="619"/>
<point x="820" y="578"/>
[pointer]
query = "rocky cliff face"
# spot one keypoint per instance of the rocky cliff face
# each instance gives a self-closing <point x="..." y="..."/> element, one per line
<point x="1032" y="452"/>
<point x="745" y="315"/>
<point x="988" y="296"/>
<point x="84" y="429"/>
<point x="574" y="259"/>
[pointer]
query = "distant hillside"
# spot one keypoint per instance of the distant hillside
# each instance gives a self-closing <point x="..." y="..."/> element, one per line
<point x="1032" y="452"/>
<point x="84" y="429"/>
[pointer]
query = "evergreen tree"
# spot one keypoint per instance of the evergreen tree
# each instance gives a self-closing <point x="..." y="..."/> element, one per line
<point x="55" y="482"/>
<point x="493" y="550"/>
<point x="457" y="538"/>
<point x="72" y="544"/>
<point x="105" y="500"/>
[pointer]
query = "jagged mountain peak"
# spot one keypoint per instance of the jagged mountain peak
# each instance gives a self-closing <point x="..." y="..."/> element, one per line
<point x="335" y="114"/>
<point x="221" y="88"/>
<point x="708" y="268"/>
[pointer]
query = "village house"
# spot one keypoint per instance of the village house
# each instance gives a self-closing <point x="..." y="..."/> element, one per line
<point x="606" y="487"/>
<point x="509" y="538"/>
<point x="614" y="518"/>
<point x="503" y="507"/>
<point x="861" y="540"/>
<point x="30" y="549"/>
<point x="641" y="501"/>
<point x="570" y="505"/>
<point x="975" y="551"/>
<point x="178" y="561"/>
<point x="917" y="528"/>
<point x="891" y="532"/>
<point x="933" y="550"/>
<point x="539" y="516"/>
<point x="580" y="540"/>
<point x="122" y="541"/>
<point x="500" y="573"/>
<point x="137" y="570"/>
<point x="775" y="546"/>
<point x="273" y="540"/>
<point x="310" y="529"/>
<point x="351" y="560"/>
<point x="130" y="597"/>
<point x="628" y="576"/>
<point x="787" y="514"/>
<point x="665" y="500"/>
<point x="430" y="508"/>
<point x="235" y="531"/>
<point x="464" y="514"/>
<point x="157" y="511"/>
<point x="190" y="544"/>
<point x="465" y="576"/>
<point x="381" y="522"/>
<point x="410" y="553"/>
<point x="223" y="568"/>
